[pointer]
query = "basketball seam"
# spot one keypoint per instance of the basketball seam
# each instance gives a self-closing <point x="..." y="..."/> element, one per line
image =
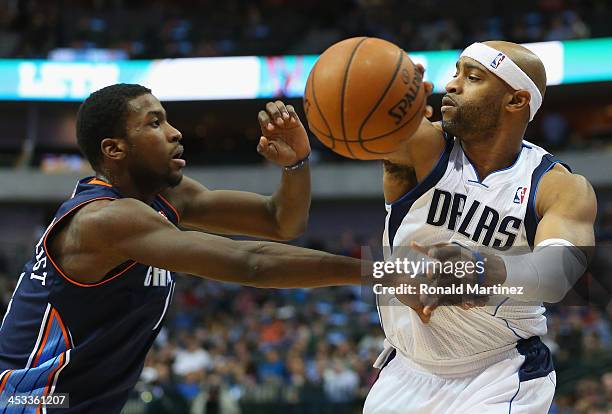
<point x="382" y="97"/>
<point x="378" y="136"/>
<point x="390" y="132"/>
<point x="397" y="129"/>
<point x="316" y="103"/>
<point x="320" y="132"/>
<point x="343" y="93"/>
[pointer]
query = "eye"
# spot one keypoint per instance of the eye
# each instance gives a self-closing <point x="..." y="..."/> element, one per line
<point x="155" y="123"/>
<point x="473" y="78"/>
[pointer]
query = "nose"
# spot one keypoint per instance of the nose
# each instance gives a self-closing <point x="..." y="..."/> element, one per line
<point x="453" y="85"/>
<point x="174" y="134"/>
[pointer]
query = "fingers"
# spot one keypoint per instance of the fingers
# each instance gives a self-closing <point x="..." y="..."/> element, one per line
<point x="443" y="253"/>
<point x="267" y="148"/>
<point x="428" y="110"/>
<point x="420" y="68"/>
<point x="264" y="121"/>
<point x="262" y="145"/>
<point x="428" y="310"/>
<point x="419" y="248"/>
<point x="424" y="318"/>
<point x="293" y="116"/>
<point x="429" y="87"/>
<point x="470" y="302"/>
<point x="276" y="114"/>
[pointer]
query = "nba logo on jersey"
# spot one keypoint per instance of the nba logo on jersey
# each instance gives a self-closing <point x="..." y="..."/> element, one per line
<point x="498" y="60"/>
<point x="519" y="196"/>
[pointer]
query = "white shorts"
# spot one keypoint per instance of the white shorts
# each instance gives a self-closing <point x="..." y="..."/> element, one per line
<point x="521" y="385"/>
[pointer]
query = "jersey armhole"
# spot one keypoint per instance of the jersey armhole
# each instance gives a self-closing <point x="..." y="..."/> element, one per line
<point x="124" y="266"/>
<point x="532" y="219"/>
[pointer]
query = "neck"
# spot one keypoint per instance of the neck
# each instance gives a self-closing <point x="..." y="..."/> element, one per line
<point x="127" y="187"/>
<point x="492" y="153"/>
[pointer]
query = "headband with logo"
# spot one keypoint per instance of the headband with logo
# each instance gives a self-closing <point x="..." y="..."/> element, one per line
<point x="503" y="67"/>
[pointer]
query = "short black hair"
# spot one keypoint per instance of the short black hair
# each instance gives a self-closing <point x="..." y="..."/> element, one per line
<point x="102" y="115"/>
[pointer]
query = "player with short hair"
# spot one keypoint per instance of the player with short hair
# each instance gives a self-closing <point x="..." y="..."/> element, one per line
<point x="473" y="180"/>
<point x="90" y="303"/>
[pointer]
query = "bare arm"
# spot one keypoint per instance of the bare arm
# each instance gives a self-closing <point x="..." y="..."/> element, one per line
<point x="132" y="230"/>
<point x="568" y="207"/>
<point x="282" y="216"/>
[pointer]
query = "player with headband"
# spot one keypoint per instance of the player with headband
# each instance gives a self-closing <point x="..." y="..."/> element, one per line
<point x="459" y="190"/>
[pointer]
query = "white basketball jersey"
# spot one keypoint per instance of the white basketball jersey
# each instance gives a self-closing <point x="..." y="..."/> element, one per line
<point x="453" y="203"/>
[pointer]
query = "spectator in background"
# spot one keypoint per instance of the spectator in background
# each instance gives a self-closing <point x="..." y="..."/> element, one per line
<point x="191" y="358"/>
<point x="340" y="383"/>
<point x="34" y="28"/>
<point x="272" y="368"/>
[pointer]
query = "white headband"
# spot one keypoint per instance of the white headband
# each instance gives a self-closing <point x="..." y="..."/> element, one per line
<point x="502" y="66"/>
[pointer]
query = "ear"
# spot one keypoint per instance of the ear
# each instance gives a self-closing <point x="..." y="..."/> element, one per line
<point x="114" y="148"/>
<point x="518" y="101"/>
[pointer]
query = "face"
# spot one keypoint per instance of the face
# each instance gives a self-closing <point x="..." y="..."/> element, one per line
<point x="154" y="149"/>
<point x="473" y="102"/>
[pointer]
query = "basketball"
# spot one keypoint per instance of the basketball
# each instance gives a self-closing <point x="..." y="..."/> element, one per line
<point x="363" y="97"/>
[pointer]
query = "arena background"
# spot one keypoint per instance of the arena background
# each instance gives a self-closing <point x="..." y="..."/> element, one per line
<point x="230" y="349"/>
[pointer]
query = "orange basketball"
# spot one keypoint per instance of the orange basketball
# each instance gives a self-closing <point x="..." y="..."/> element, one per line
<point x="363" y="97"/>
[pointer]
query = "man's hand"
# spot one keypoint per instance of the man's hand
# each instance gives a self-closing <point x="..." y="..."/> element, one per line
<point x="468" y="270"/>
<point x="284" y="139"/>
<point x="414" y="302"/>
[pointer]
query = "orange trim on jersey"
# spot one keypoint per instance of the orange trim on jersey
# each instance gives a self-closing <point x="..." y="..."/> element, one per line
<point x="178" y="216"/>
<point x="64" y="330"/>
<point x="98" y="182"/>
<point x="6" y="377"/>
<point x="74" y="282"/>
<point x="87" y="285"/>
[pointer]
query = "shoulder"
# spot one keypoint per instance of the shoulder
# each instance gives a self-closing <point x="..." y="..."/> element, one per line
<point x="559" y="188"/>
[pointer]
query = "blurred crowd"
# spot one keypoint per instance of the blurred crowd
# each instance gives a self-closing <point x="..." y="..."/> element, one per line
<point x="163" y="28"/>
<point x="228" y="349"/>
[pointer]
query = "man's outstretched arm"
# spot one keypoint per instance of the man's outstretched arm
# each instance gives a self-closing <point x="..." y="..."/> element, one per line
<point x="128" y="229"/>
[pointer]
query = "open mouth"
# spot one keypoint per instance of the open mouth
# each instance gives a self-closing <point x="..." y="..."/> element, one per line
<point x="178" y="153"/>
<point x="176" y="158"/>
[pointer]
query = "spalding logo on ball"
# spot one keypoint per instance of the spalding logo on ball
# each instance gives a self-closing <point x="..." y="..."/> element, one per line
<point x="363" y="97"/>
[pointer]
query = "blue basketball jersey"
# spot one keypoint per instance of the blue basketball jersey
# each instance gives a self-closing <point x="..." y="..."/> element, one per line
<point x="87" y="340"/>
